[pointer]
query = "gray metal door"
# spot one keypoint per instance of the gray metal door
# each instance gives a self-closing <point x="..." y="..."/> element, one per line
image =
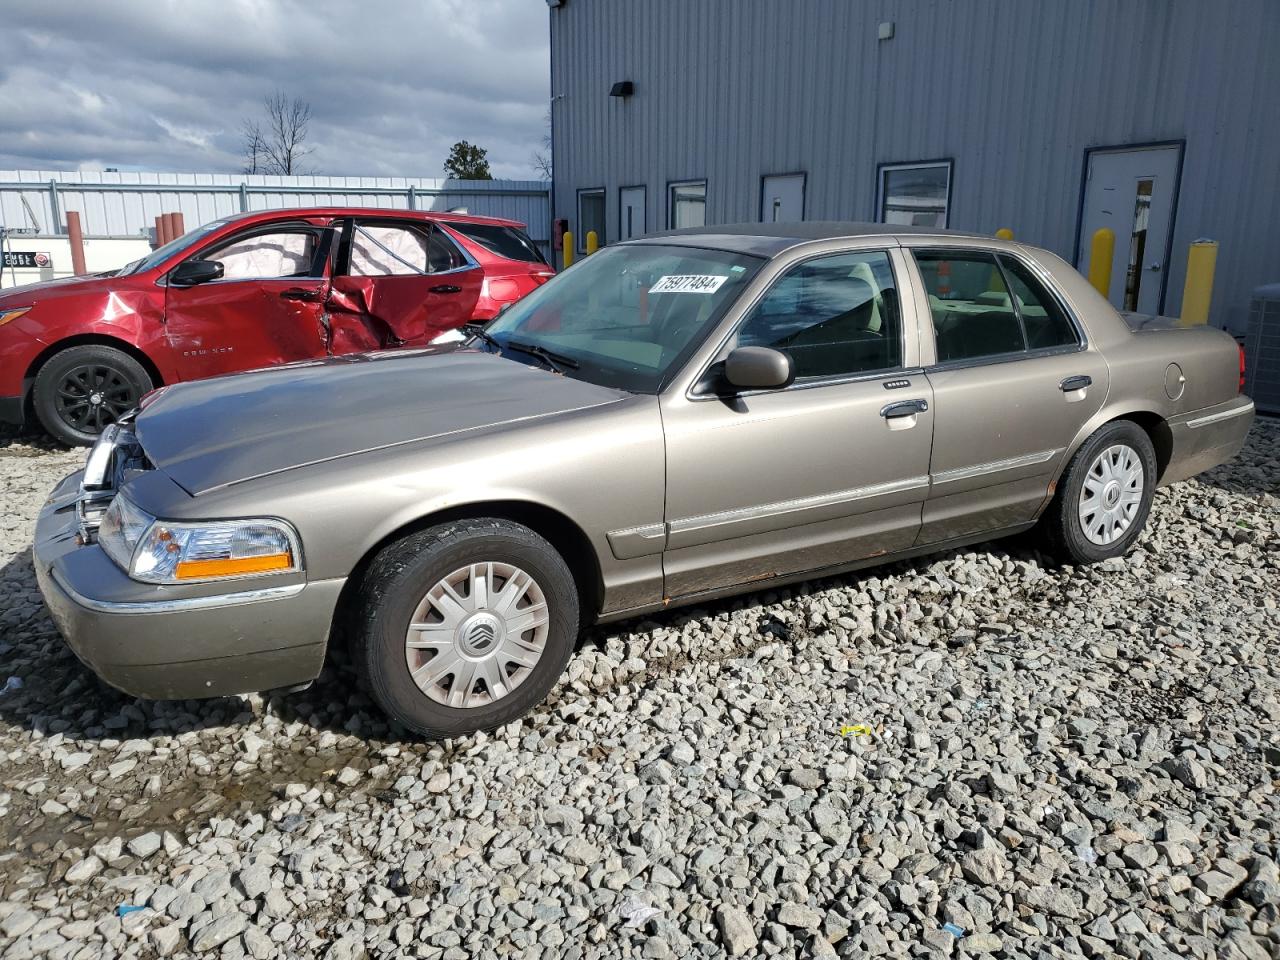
<point x="631" y="204"/>
<point x="1132" y="191"/>
<point x="782" y="198"/>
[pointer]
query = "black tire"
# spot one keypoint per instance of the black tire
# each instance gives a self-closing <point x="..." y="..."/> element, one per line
<point x="399" y="579"/>
<point x="1062" y="526"/>
<point x="72" y="379"/>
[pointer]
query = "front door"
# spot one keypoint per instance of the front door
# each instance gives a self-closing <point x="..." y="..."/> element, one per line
<point x="830" y="470"/>
<point x="1014" y="384"/>
<point x="399" y="283"/>
<point x="782" y="198"/>
<point x="631" y="207"/>
<point x="1132" y="192"/>
<point x="267" y="308"/>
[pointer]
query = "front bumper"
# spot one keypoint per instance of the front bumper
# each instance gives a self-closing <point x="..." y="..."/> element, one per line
<point x="170" y="643"/>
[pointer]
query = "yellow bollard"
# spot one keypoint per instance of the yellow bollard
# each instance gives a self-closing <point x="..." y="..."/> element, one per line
<point x="1197" y="292"/>
<point x="593" y="242"/>
<point x="1004" y="233"/>
<point x="1101" y="249"/>
<point x="566" y="244"/>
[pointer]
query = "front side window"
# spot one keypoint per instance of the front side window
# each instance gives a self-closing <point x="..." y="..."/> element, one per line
<point x="590" y="217"/>
<point x="627" y="317"/>
<point x="914" y="194"/>
<point x="835" y="316"/>
<point x="266" y="256"/>
<point x="688" y="205"/>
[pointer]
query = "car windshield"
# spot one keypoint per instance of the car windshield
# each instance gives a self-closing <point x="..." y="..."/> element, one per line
<point x="160" y="254"/>
<point x="626" y="317"/>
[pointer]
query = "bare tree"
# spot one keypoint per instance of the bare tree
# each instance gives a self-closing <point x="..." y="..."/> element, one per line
<point x="278" y="146"/>
<point x="541" y="158"/>
<point x="254" y="146"/>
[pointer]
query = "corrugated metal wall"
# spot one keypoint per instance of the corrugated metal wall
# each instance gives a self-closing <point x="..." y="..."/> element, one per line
<point x="1013" y="91"/>
<point x="126" y="204"/>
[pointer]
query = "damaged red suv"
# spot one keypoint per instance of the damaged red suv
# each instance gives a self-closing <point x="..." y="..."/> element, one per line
<point x="252" y="291"/>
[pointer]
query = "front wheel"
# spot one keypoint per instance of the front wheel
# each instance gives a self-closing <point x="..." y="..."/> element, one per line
<point x="465" y="626"/>
<point x="80" y="390"/>
<point x="1104" y="496"/>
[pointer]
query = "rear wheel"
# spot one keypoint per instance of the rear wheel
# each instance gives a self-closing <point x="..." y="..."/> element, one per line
<point x="1105" y="495"/>
<point x="82" y="389"/>
<point x="465" y="626"/>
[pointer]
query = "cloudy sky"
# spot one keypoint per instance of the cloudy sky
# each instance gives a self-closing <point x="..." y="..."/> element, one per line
<point x="166" y="84"/>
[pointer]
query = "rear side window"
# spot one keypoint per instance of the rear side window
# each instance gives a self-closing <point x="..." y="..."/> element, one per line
<point x="382" y="250"/>
<point x="1043" y="317"/>
<point x="390" y="250"/>
<point x="502" y="241"/>
<point x="973" y="315"/>
<point x="835" y="316"/>
<point x="443" y="254"/>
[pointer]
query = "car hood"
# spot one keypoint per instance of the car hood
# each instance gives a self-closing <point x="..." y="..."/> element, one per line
<point x="211" y="433"/>
<point x="26" y="294"/>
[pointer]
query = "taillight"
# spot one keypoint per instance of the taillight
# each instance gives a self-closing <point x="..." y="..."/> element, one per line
<point x="1240" y="386"/>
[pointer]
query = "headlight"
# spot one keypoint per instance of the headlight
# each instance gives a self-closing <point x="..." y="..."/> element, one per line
<point x="13" y="313"/>
<point x="156" y="551"/>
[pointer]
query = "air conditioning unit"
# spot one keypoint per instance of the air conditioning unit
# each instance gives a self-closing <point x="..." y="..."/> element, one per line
<point x="1262" y="349"/>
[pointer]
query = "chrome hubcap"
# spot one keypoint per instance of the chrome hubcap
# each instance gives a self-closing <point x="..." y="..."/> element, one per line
<point x="1111" y="494"/>
<point x="477" y="635"/>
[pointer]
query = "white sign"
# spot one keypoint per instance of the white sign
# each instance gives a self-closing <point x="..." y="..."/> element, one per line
<point x="688" y="283"/>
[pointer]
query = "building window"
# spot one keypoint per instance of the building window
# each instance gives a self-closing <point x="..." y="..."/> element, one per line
<point x="688" y="204"/>
<point x="915" y="194"/>
<point x="590" y="216"/>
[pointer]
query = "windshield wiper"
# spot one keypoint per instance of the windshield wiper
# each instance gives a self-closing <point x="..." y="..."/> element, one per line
<point x="556" y="361"/>
<point x="476" y="330"/>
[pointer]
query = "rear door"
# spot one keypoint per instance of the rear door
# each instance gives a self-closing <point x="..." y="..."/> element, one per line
<point x="399" y="283"/>
<point x="267" y="308"/>
<point x="1014" y="380"/>
<point x="830" y="470"/>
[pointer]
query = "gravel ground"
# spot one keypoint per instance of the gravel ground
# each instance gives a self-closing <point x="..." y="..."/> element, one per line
<point x="971" y="754"/>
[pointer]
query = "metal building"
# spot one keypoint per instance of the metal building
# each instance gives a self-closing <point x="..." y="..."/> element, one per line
<point x="1157" y="118"/>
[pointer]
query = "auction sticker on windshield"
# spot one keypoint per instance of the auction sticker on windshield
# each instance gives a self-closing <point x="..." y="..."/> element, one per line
<point x="688" y="283"/>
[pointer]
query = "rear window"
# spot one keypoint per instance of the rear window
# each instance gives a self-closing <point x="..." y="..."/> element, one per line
<point x="503" y="241"/>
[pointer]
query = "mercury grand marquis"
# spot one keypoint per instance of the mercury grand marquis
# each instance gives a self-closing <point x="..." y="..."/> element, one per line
<point x="673" y="419"/>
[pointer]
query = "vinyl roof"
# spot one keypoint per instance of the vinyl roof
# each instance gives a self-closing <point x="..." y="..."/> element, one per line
<point x="770" y="239"/>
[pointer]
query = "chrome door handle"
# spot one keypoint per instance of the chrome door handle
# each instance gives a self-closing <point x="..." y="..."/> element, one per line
<point x="1075" y="383"/>
<point x="903" y="408"/>
<point x="303" y="294"/>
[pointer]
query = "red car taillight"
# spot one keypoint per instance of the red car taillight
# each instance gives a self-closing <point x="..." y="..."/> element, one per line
<point x="1240" y="387"/>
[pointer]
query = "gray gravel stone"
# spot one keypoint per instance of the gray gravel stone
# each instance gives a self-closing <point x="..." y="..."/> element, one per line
<point x="736" y="932"/>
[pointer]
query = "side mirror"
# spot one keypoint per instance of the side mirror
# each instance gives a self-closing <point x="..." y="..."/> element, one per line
<point x="759" y="368"/>
<point x="190" y="272"/>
